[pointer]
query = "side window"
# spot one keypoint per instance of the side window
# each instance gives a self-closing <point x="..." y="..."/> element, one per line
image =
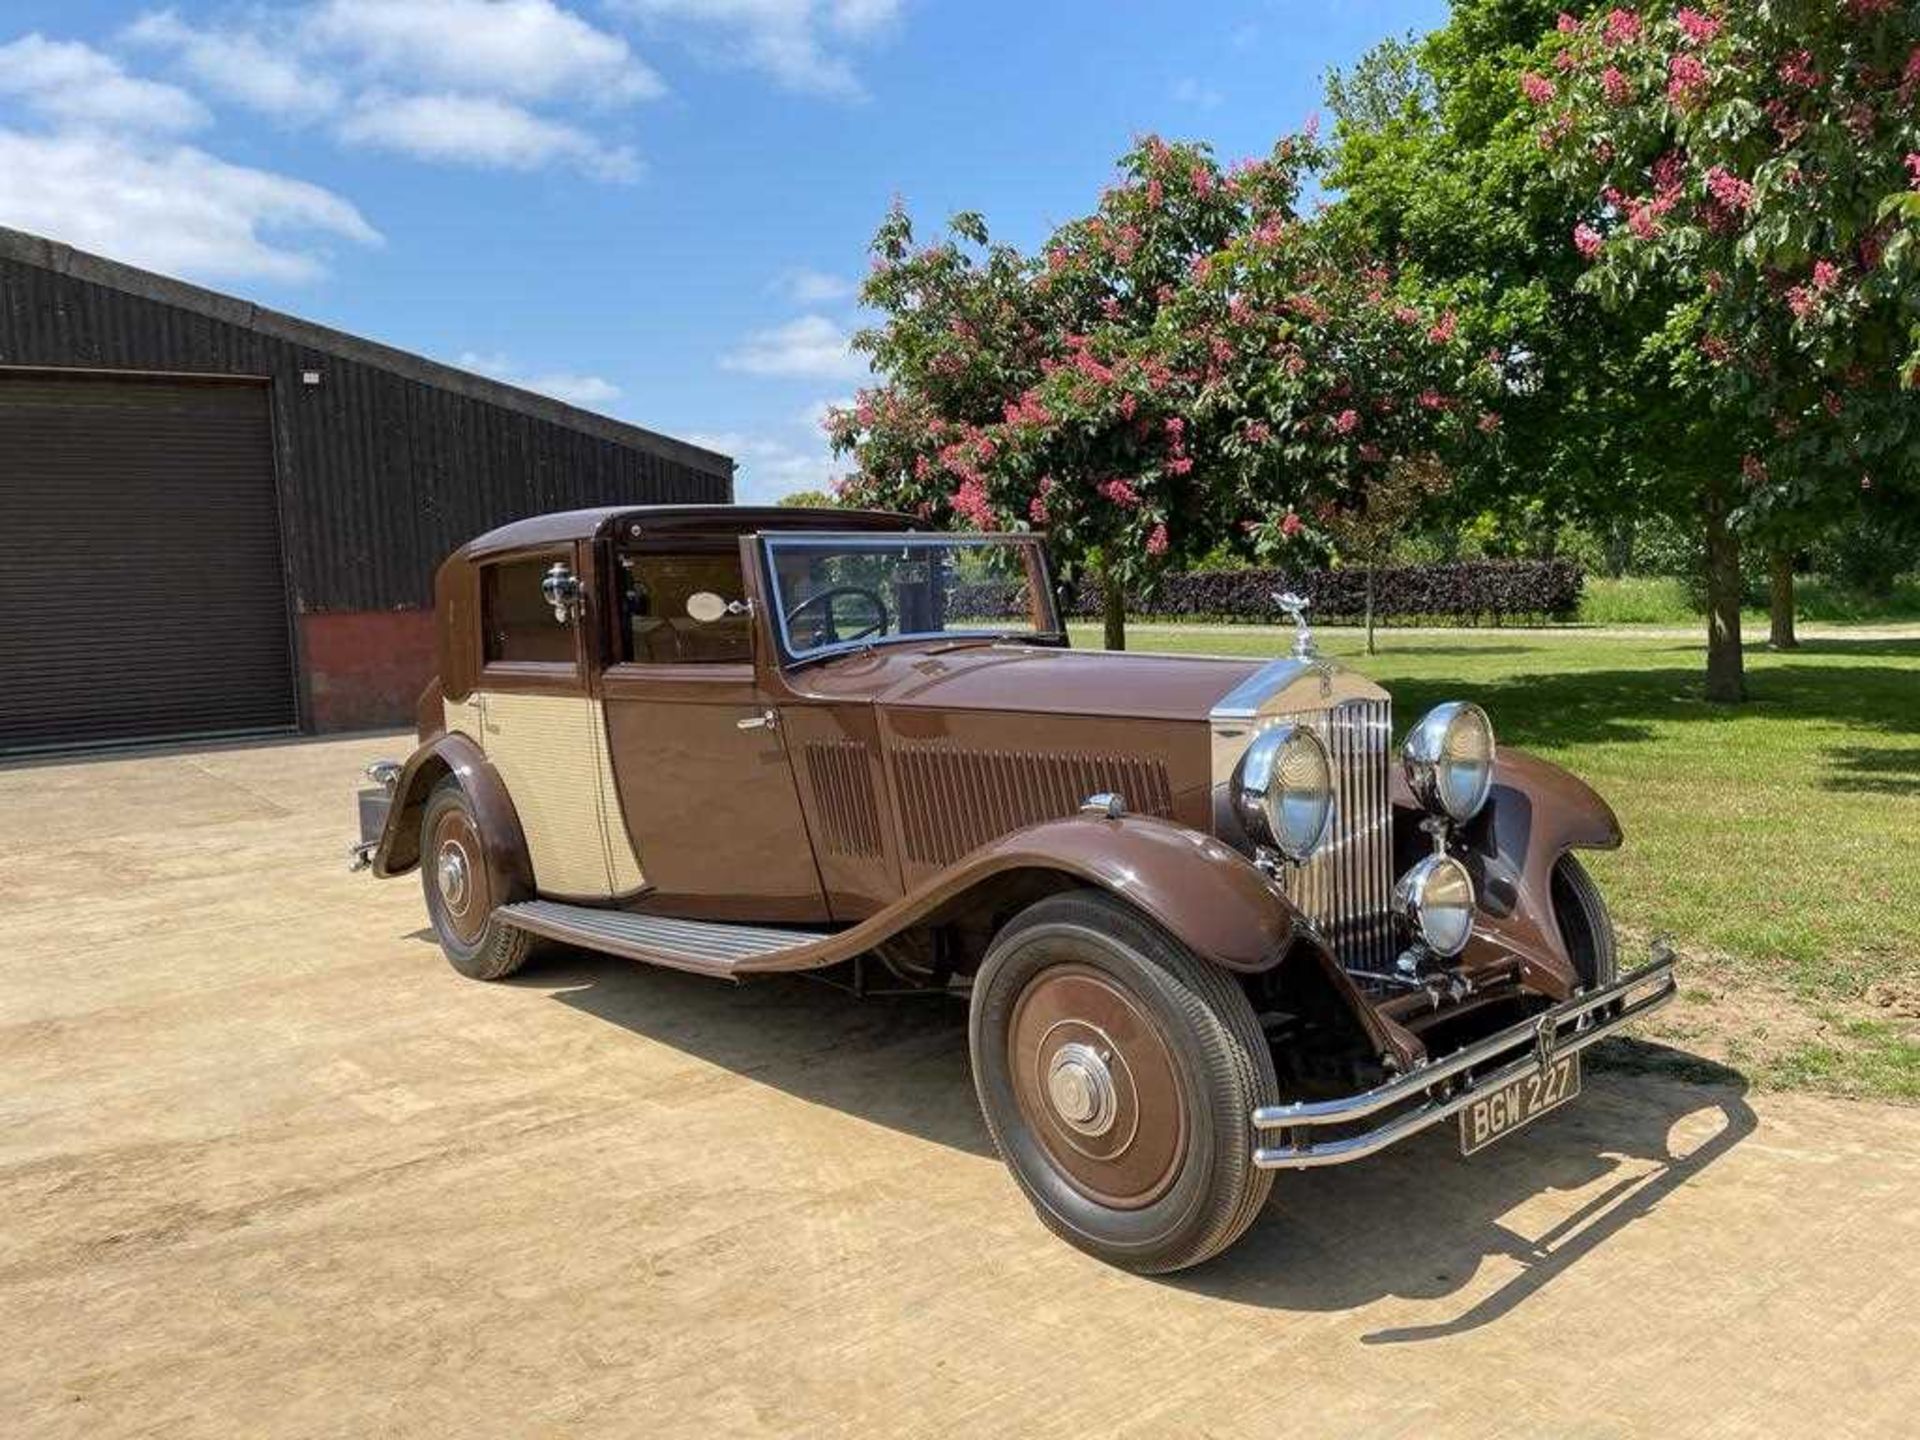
<point x="518" y="622"/>
<point x="659" y="631"/>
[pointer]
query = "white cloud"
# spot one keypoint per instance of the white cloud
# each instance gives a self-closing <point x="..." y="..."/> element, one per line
<point x="240" y="66"/>
<point x="1189" y="91"/>
<point x="74" y="84"/>
<point x="531" y="49"/>
<point x="583" y="390"/>
<point x="791" y="40"/>
<point x="770" y="469"/>
<point x="814" y="287"/>
<point x="468" y="82"/>
<point x="482" y="131"/>
<point x="173" y="208"/>
<point x="811" y="346"/>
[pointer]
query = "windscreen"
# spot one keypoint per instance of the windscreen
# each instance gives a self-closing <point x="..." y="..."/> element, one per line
<point x="831" y="592"/>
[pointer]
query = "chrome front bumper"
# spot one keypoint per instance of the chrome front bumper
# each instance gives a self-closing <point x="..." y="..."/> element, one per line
<point x="1445" y="1087"/>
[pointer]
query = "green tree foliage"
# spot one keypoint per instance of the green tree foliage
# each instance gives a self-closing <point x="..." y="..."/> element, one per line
<point x="1189" y="362"/>
<point x="808" y="500"/>
<point x="1749" y="175"/>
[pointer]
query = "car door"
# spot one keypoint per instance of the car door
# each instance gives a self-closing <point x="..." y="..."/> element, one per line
<point x="536" y="717"/>
<point x="699" y="755"/>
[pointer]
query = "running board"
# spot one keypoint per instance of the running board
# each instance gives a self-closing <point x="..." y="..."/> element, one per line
<point x="703" y="945"/>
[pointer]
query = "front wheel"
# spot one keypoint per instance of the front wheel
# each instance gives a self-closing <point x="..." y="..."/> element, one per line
<point x="460" y="898"/>
<point x="1118" y="1075"/>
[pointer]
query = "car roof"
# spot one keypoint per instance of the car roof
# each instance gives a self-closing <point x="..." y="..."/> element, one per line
<point x="639" y="521"/>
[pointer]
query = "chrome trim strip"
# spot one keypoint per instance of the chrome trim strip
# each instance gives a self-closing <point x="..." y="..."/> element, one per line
<point x="1539" y="1035"/>
<point x="1243" y="701"/>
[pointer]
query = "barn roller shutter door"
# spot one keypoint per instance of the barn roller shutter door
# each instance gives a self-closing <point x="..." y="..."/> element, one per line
<point x="142" y="590"/>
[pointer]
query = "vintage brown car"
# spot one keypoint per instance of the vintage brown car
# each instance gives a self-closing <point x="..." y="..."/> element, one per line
<point x="1208" y="927"/>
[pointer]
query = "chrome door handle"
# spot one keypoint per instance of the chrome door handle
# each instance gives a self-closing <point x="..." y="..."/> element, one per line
<point x="768" y="719"/>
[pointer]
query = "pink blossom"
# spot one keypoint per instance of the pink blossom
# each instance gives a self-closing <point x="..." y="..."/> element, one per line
<point x="1120" y="493"/>
<point x="1489" y="421"/>
<point x="1201" y="268"/>
<point x="1221" y="351"/>
<point x="1644" y="222"/>
<point x="1369" y="453"/>
<point x="1622" y="27"/>
<point x="1156" y="192"/>
<point x="1201" y="178"/>
<point x="1179" y="465"/>
<point x="1537" y="88"/>
<point x="1696" y="27"/>
<point x="1716" y="348"/>
<point x="1347" y="421"/>
<point x="1913" y="168"/>
<point x="1686" y="80"/>
<point x="1176" y="431"/>
<point x="1157" y="540"/>
<point x="1291" y="526"/>
<point x="1431" y="399"/>
<point x="1128" y="405"/>
<point x="1566" y="24"/>
<point x="1563" y="60"/>
<point x="1798" y="69"/>
<point x="1037" y="510"/>
<point x="970" y="502"/>
<point x="1753" y="468"/>
<point x="1825" y="274"/>
<point x="1258" y="432"/>
<point x="1442" y="330"/>
<point x="1669" y="174"/>
<point x="1587" y="241"/>
<point x="1110" y="307"/>
<point x="1729" y="189"/>
<point x="1802" y="301"/>
<point x="1614" y="85"/>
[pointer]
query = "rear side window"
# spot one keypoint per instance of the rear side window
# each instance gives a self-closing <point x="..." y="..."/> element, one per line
<point x="656" y="586"/>
<point x="519" y="623"/>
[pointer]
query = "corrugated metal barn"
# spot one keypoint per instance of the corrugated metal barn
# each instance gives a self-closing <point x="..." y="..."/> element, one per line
<point x="215" y="518"/>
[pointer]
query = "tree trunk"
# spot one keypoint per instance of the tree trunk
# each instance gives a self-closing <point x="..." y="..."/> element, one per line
<point x="1370" y="649"/>
<point x="1113" y="607"/>
<point x="1619" y="556"/>
<point x="1780" y="601"/>
<point x="1726" y="670"/>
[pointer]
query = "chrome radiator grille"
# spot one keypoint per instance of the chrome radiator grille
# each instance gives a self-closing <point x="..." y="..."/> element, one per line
<point x="1346" y="888"/>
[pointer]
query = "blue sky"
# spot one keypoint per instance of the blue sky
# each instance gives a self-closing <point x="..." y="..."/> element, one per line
<point x="655" y="208"/>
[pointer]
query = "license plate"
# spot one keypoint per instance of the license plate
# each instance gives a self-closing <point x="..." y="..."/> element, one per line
<point x="1498" y="1114"/>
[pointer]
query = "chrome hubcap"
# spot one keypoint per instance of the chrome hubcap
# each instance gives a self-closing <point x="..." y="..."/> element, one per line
<point x="1080" y="1087"/>
<point x="451" y="871"/>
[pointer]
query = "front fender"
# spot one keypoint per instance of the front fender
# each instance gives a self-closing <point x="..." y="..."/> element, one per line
<point x="1535" y="814"/>
<point x="508" y="865"/>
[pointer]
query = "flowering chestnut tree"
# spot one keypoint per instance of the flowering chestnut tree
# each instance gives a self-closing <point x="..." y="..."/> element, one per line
<point x="1754" y="181"/>
<point x="1187" y="364"/>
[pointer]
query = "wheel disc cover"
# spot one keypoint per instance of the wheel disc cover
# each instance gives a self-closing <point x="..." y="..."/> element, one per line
<point x="458" y="876"/>
<point x="1097" y="1085"/>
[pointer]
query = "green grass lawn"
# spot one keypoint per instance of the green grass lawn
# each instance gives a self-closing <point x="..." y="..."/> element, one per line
<point x="1660" y="600"/>
<point x="1778" y="842"/>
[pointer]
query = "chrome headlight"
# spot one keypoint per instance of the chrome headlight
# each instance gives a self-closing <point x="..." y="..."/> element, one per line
<point x="1435" y="901"/>
<point x="1283" y="790"/>
<point x="1448" y="758"/>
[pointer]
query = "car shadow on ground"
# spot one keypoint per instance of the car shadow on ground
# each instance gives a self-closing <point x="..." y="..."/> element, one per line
<point x="1419" y="1221"/>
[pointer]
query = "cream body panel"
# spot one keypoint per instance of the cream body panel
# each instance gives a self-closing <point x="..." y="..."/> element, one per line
<point x="551" y="754"/>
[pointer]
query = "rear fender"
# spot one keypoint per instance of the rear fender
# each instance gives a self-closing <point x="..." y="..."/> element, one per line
<point x="506" y="846"/>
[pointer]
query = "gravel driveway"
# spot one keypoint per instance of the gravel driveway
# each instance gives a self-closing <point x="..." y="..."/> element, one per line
<point x="268" y="1167"/>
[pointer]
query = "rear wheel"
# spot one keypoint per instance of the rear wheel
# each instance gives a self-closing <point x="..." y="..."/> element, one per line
<point x="1118" y="1075"/>
<point x="1585" y="925"/>
<point x="460" y="899"/>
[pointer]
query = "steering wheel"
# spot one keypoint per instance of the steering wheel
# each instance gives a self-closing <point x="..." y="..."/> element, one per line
<point x="822" y="600"/>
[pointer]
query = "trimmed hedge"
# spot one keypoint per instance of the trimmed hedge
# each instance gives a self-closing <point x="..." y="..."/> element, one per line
<point x="1465" y="593"/>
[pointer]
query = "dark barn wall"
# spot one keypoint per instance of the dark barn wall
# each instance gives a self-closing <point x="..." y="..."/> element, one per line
<point x="383" y="467"/>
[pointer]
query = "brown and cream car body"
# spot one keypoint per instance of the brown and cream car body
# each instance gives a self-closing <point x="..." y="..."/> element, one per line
<point x="741" y="741"/>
